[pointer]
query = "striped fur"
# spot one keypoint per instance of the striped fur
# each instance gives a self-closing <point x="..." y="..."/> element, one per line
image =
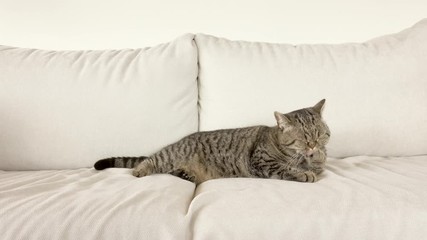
<point x="292" y="150"/>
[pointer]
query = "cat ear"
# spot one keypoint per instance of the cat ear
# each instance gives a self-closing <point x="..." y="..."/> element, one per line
<point x="283" y="121"/>
<point x="319" y="106"/>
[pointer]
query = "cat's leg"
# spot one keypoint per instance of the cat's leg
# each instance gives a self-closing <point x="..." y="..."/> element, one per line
<point x="150" y="166"/>
<point x="145" y="168"/>
<point x="181" y="173"/>
<point x="318" y="161"/>
<point x="292" y="173"/>
<point x="295" y="174"/>
<point x="195" y="170"/>
<point x="277" y="170"/>
<point x="303" y="172"/>
<point x="298" y="174"/>
<point x="304" y="176"/>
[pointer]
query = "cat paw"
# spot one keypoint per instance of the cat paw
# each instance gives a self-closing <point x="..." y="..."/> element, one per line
<point x="140" y="171"/>
<point x="137" y="173"/>
<point x="182" y="174"/>
<point x="307" y="176"/>
<point x="145" y="168"/>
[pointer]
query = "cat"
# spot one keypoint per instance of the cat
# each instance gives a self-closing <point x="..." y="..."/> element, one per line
<point x="294" y="150"/>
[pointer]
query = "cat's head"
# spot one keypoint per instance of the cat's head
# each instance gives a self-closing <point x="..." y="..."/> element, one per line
<point x="303" y="130"/>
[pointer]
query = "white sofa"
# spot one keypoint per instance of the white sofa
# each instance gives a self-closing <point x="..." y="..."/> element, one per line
<point x="60" y="111"/>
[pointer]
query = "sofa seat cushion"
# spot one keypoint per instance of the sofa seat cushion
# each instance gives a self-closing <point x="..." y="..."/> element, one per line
<point x="86" y="204"/>
<point x="356" y="198"/>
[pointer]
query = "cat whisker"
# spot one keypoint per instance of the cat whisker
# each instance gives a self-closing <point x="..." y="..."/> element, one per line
<point x="294" y="159"/>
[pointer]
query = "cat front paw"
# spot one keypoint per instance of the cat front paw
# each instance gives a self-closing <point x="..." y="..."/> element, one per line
<point x="307" y="176"/>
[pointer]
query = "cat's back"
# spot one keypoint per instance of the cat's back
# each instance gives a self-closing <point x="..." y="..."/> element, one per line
<point x="228" y="139"/>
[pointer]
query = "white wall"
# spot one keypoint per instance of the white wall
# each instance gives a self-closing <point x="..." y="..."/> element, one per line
<point x="98" y="24"/>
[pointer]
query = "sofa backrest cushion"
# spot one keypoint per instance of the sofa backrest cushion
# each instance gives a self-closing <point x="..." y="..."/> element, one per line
<point x="376" y="91"/>
<point x="67" y="109"/>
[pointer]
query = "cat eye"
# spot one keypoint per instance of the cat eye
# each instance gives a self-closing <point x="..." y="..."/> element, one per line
<point x="299" y="142"/>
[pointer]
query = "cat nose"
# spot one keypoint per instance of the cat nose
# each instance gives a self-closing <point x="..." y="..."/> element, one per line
<point x="311" y="145"/>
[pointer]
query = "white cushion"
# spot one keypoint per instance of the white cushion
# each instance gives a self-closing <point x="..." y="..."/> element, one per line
<point x="67" y="109"/>
<point x="381" y="199"/>
<point x="92" y="205"/>
<point x="375" y="91"/>
<point x="356" y="198"/>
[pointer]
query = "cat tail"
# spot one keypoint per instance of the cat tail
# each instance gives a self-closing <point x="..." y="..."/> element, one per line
<point x="118" y="162"/>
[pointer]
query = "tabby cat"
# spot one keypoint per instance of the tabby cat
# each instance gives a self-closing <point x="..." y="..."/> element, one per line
<point x="292" y="150"/>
